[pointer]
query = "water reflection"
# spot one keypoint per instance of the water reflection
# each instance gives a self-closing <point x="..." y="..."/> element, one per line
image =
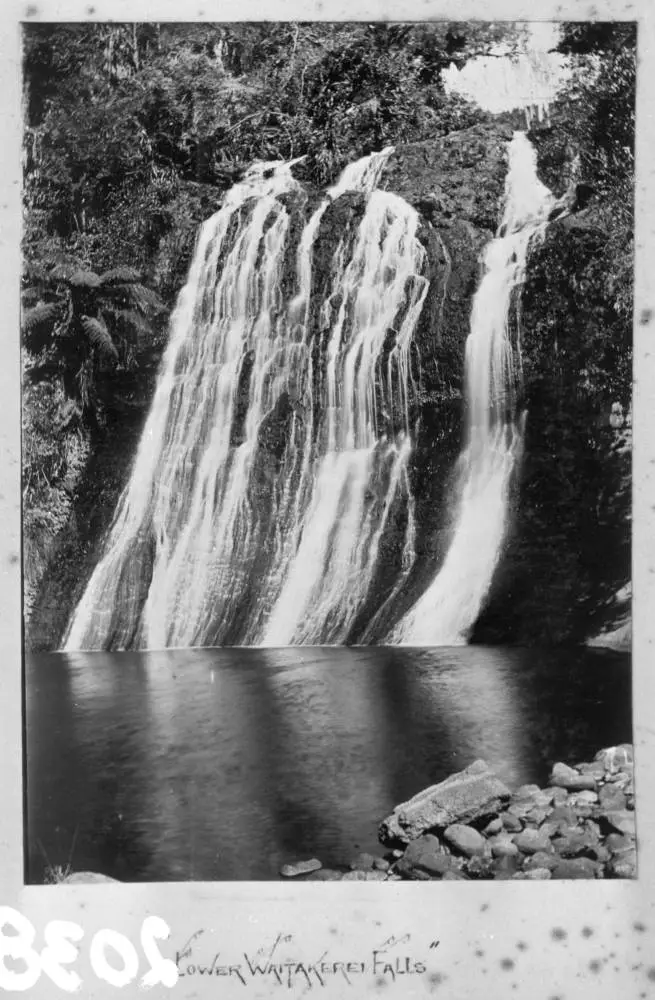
<point x="227" y="763"/>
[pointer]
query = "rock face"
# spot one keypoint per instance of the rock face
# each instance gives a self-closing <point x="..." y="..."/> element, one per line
<point x="472" y="826"/>
<point x="456" y="184"/>
<point x="472" y="794"/>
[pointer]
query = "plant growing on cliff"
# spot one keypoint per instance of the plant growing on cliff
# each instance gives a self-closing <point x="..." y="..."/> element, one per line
<point x="79" y="328"/>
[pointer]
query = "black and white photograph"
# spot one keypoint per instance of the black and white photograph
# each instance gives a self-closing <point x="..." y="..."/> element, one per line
<point x="326" y="402"/>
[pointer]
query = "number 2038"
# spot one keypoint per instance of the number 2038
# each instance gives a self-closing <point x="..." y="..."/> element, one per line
<point x="17" y="935"/>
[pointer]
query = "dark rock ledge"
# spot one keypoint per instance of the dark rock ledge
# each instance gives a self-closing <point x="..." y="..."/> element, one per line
<point x="471" y="826"/>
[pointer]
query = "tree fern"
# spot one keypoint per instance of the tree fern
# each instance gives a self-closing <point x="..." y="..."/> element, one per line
<point x="136" y="296"/>
<point x="37" y="325"/>
<point x="99" y="337"/>
<point x="120" y="276"/>
<point x="129" y="325"/>
<point x="88" y="322"/>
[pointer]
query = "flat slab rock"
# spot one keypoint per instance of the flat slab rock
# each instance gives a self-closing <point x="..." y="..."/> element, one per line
<point x="300" y="868"/>
<point x="468" y="795"/>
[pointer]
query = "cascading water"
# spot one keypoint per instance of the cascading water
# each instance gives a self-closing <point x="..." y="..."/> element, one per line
<point x="214" y="543"/>
<point x="449" y="607"/>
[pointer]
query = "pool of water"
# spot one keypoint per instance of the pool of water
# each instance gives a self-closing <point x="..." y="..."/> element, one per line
<point x="224" y="764"/>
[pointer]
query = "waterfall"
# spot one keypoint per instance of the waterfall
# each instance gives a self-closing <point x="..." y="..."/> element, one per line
<point x="222" y="537"/>
<point x="448" y="609"/>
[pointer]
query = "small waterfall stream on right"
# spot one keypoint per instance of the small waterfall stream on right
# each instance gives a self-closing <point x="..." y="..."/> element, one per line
<point x="447" y="610"/>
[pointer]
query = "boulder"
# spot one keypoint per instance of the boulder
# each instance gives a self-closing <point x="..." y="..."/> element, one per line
<point x="573" y="843"/>
<point x="511" y="822"/>
<point x="503" y="847"/>
<point x="567" y="777"/>
<point x="472" y="794"/>
<point x="585" y="797"/>
<point x="623" y="865"/>
<point x="531" y="841"/>
<point x="464" y="839"/>
<point x="536" y="816"/>
<point x="424" y="856"/>
<point x="595" y="769"/>
<point x="494" y="827"/>
<point x="619" y="843"/>
<point x="612" y="798"/>
<point x="526" y="792"/>
<point x="615" y="758"/>
<point x="576" y="868"/>
<point x="563" y="815"/>
<point x="620" y="821"/>
<point x="538" y="874"/>
<point x="507" y="867"/>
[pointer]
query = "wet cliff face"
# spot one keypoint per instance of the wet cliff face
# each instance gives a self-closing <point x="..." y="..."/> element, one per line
<point x="567" y="556"/>
<point x="567" y="551"/>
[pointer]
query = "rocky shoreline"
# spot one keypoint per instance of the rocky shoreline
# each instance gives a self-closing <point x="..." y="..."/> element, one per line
<point x="471" y="826"/>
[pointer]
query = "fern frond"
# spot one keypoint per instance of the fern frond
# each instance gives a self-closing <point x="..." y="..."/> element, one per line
<point x="63" y="269"/>
<point x="120" y="276"/>
<point x="84" y="279"/>
<point x="37" y="325"/>
<point x="99" y="337"/>
<point x="135" y="296"/>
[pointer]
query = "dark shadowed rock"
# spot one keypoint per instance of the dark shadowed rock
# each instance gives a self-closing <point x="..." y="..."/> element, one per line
<point x="576" y="868"/>
<point x="619" y="821"/>
<point x="424" y="856"/>
<point x="574" y="842"/>
<point x="619" y="843"/>
<point x="623" y="865"/>
<point x="471" y="794"/>
<point x="511" y="822"/>
<point x="507" y="867"/>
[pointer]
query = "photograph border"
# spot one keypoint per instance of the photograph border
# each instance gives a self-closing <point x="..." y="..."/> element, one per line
<point x="551" y="940"/>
